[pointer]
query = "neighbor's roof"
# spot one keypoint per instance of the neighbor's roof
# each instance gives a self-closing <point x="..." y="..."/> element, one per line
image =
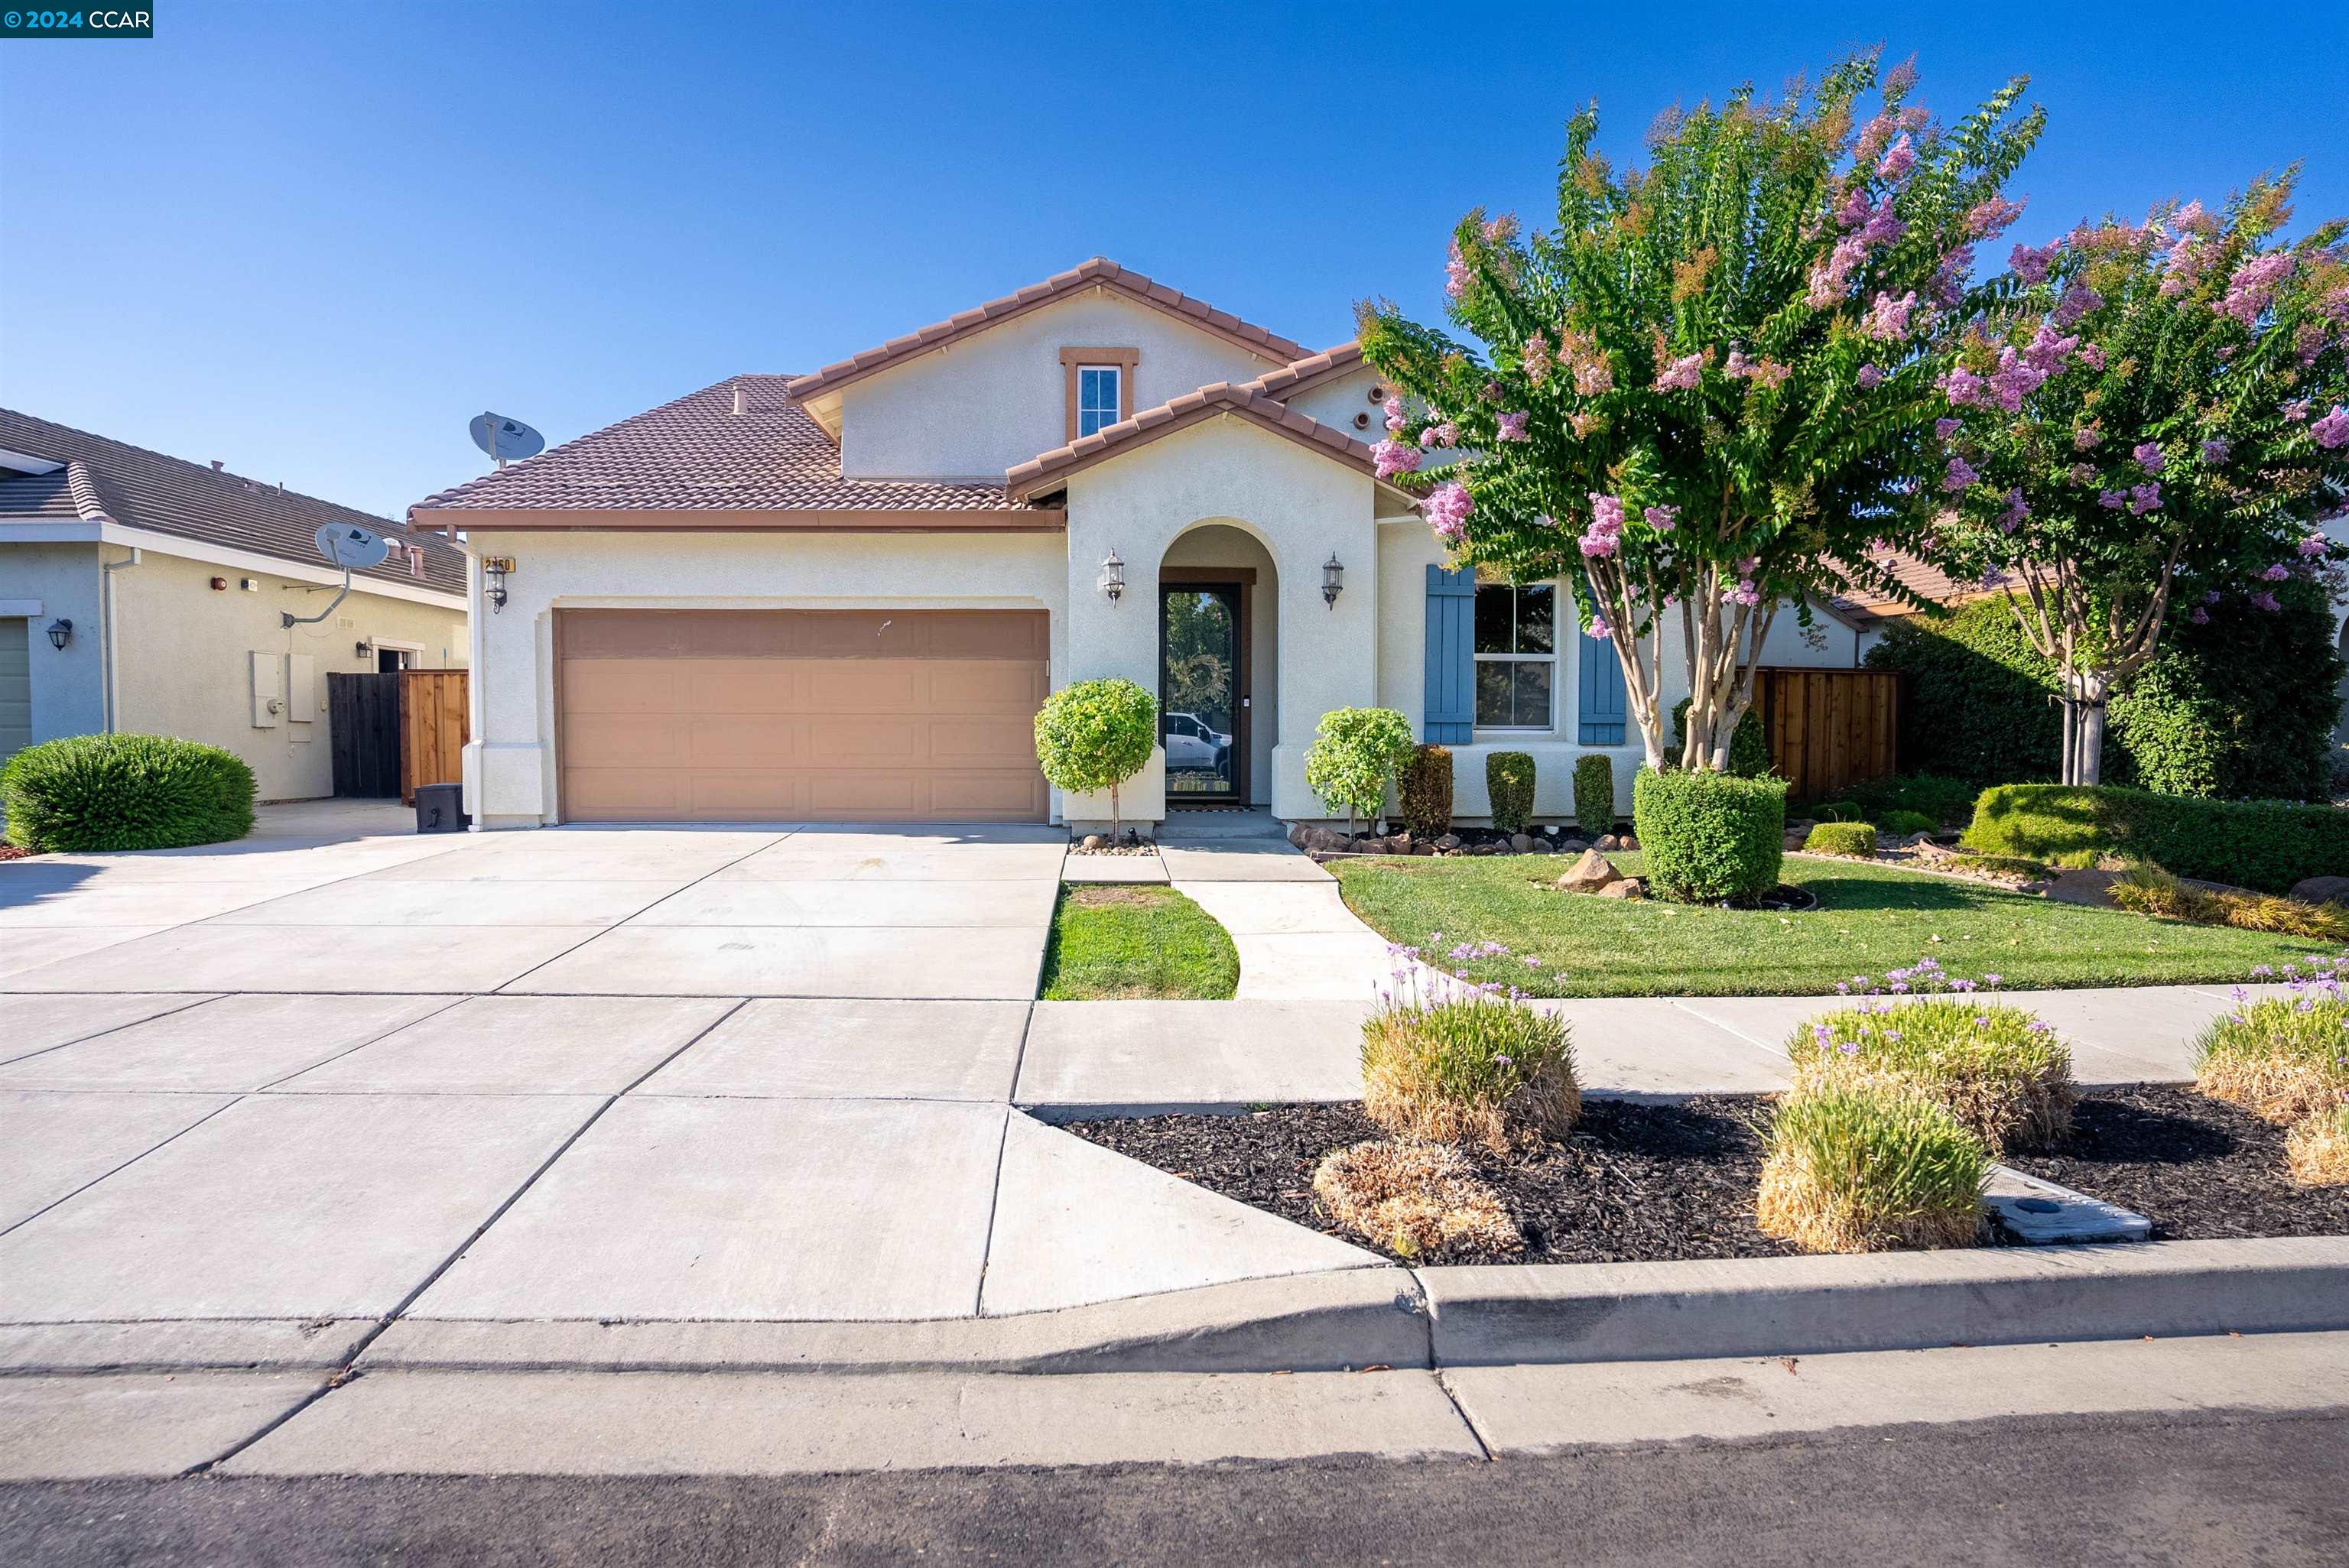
<point x="696" y="454"/>
<point x="104" y="480"/>
<point x="1044" y="474"/>
<point x="1930" y="583"/>
<point x="1098" y="272"/>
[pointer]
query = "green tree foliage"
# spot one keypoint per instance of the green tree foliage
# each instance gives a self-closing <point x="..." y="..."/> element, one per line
<point x="2147" y="416"/>
<point x="103" y="793"/>
<point x="1712" y="385"/>
<point x="1355" y="752"/>
<point x="1096" y="735"/>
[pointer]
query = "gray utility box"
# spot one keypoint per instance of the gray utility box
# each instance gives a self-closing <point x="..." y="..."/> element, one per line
<point x="440" y="808"/>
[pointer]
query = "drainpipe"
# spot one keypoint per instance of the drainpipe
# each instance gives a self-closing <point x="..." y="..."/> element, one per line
<point x="106" y="634"/>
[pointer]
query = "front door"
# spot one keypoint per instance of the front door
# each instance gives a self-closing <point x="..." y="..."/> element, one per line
<point x="1202" y="692"/>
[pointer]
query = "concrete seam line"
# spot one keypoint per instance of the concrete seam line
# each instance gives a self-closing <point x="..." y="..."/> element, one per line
<point x="208" y="998"/>
<point x="1027" y="1027"/>
<point x="126" y="1164"/>
<point x="994" y="1204"/>
<point x="1461" y="1410"/>
<point x="455" y="1000"/>
<point x="345" y="1371"/>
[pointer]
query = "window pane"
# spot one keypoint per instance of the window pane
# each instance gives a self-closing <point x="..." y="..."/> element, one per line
<point x="1533" y="694"/>
<point x="1496" y="703"/>
<point x="1495" y="606"/>
<point x="1537" y="616"/>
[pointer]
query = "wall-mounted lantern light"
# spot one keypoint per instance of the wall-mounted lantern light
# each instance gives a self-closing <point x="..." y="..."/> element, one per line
<point x="493" y="573"/>
<point x="364" y="650"/>
<point x="60" y="634"/>
<point x="1112" y="578"/>
<point x="1333" y="572"/>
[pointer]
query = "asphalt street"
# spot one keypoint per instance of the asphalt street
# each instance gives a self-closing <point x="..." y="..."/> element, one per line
<point x="2078" y="1491"/>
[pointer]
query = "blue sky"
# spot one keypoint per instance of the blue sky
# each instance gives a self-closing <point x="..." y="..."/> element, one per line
<point x="313" y="238"/>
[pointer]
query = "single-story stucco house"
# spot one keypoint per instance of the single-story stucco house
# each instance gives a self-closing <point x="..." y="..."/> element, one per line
<point x="141" y="593"/>
<point x="842" y="595"/>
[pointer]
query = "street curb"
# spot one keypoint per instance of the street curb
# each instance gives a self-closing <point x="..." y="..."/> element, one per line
<point x="1883" y="1301"/>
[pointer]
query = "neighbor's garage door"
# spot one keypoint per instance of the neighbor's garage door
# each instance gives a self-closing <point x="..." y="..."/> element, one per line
<point x="799" y="715"/>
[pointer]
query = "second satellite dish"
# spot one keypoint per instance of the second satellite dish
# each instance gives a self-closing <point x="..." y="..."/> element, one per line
<point x="352" y="549"/>
<point x="508" y="440"/>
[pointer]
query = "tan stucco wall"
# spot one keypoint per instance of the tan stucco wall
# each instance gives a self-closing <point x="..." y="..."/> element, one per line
<point x="509" y="769"/>
<point x="1336" y="402"/>
<point x="976" y="408"/>
<point x="184" y="669"/>
<point x="67" y="689"/>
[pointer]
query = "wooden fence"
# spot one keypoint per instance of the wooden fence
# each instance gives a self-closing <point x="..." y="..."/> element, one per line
<point x="434" y="726"/>
<point x="363" y="727"/>
<point x="1828" y="729"/>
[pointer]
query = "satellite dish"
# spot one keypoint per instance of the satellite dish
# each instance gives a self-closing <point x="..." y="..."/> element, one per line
<point x="350" y="548"/>
<point x="508" y="440"/>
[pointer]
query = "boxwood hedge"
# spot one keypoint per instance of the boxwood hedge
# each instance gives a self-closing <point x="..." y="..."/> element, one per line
<point x="2263" y="844"/>
<point x="1709" y="836"/>
<point x="101" y="793"/>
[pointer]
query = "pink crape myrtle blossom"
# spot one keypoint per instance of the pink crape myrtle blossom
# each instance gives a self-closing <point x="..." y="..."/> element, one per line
<point x="1944" y="429"/>
<point x="1994" y="217"/>
<point x="1536" y="360"/>
<point x="2086" y="439"/>
<point x="1870" y="377"/>
<point x="1662" y="519"/>
<point x="1888" y="318"/>
<point x="1512" y="427"/>
<point x="1959" y="475"/>
<point x="1899" y="159"/>
<point x="2253" y="287"/>
<point x="2092" y="355"/>
<point x="2030" y="263"/>
<point x="2276" y="573"/>
<point x="2149" y="456"/>
<point x="2145" y="498"/>
<point x="1456" y="272"/>
<point x="1447" y="508"/>
<point x="1445" y="435"/>
<point x="2263" y="600"/>
<point x="2083" y="474"/>
<point x="1391" y="458"/>
<point x="2112" y="499"/>
<point x="2333" y="431"/>
<point x="1681" y="375"/>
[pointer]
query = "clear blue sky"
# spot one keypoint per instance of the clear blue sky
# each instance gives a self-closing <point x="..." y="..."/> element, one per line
<point x="312" y="239"/>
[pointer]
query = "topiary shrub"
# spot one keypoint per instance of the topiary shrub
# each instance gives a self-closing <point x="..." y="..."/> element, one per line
<point x="1594" y="794"/>
<point x="1426" y="791"/>
<point x="1839" y="838"/>
<point x="2274" y="1060"/>
<point x="1509" y="785"/>
<point x="2001" y="1072"/>
<point x="2263" y="844"/>
<point x="1356" y="752"/>
<point x="1709" y="836"/>
<point x="1749" y="747"/>
<point x="1469" y="1068"/>
<point x="1095" y="735"/>
<point x="1867" y="1168"/>
<point x="1413" y="1199"/>
<point x="1901" y="824"/>
<point x="96" y="794"/>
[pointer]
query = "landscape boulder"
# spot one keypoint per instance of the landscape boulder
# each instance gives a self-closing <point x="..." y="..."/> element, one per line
<point x="2090" y="889"/>
<point x="1522" y="843"/>
<point x="2322" y="890"/>
<point x="1591" y="873"/>
<point x="1626" y="888"/>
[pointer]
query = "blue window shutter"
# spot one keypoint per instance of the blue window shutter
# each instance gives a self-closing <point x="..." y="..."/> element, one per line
<point x="1449" y="716"/>
<point x="1604" y="701"/>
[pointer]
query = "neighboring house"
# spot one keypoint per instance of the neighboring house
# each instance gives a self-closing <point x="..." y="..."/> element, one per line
<point x="142" y="594"/>
<point x="842" y="595"/>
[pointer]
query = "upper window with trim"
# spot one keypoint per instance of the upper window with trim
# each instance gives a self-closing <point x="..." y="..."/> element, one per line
<point x="1516" y="656"/>
<point x="1099" y="397"/>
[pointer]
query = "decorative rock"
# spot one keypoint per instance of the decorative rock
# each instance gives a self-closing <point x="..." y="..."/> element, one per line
<point x="1423" y="849"/>
<point x="1626" y="841"/>
<point x="1321" y="841"/>
<point x="1092" y="844"/>
<point x="1523" y="842"/>
<point x="1573" y="846"/>
<point x="1592" y="873"/>
<point x="1299" y="833"/>
<point x="2091" y="890"/>
<point x="2322" y="890"/>
<point x="1796" y="840"/>
<point x="1542" y="847"/>
<point x="1604" y="842"/>
<point x="1448" y="841"/>
<point x="1485" y="849"/>
<point x="1626" y="888"/>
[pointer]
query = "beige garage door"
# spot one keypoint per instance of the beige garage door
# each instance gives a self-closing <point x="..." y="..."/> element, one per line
<point x="826" y="716"/>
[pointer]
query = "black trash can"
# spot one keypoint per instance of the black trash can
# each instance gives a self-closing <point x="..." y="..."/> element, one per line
<point x="440" y="808"/>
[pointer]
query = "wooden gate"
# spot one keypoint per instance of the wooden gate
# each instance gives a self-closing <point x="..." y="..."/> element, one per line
<point x="434" y="726"/>
<point x="363" y="729"/>
<point x="1828" y="729"/>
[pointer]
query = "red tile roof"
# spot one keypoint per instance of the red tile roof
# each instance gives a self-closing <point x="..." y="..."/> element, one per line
<point x="1043" y="474"/>
<point x="1098" y="272"/>
<point x="105" y="480"/>
<point x="1303" y="374"/>
<point x="1872" y="602"/>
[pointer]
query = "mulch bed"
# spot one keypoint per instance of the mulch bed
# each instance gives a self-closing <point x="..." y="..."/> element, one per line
<point x="1636" y="1182"/>
<point x="2199" y="1168"/>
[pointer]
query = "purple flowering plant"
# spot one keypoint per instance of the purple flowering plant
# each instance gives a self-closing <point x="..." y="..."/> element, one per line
<point x="1703" y="393"/>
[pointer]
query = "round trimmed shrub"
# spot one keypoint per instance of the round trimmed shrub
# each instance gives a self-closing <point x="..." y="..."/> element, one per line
<point x="1095" y="735"/>
<point x="1594" y="794"/>
<point x="1709" y="836"/>
<point x="101" y="793"/>
<point x="1426" y="792"/>
<point x="2001" y="1072"/>
<point x="1509" y="785"/>
<point x="1842" y="839"/>
<point x="1867" y="1169"/>
<point x="1355" y="752"/>
<point x="1469" y="1068"/>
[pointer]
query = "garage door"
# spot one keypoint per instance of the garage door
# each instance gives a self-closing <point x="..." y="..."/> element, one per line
<point x="15" y="685"/>
<point x="826" y="716"/>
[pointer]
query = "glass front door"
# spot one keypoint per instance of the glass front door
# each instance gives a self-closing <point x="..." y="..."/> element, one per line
<point x="1200" y="702"/>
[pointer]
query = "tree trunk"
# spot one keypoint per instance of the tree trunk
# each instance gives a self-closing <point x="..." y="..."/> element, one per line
<point x="2088" y="751"/>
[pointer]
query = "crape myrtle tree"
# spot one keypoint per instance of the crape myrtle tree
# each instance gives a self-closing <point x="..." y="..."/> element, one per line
<point x="2149" y="416"/>
<point x="1713" y="385"/>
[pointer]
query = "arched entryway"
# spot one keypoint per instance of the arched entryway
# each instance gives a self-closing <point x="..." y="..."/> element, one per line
<point x="1218" y="651"/>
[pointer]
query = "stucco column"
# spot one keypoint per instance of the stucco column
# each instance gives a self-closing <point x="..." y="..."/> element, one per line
<point x="1329" y="652"/>
<point x="510" y="761"/>
<point x="1111" y="638"/>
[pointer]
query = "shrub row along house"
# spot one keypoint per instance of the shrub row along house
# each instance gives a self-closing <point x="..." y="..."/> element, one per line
<point x="142" y="594"/>
<point x="844" y="595"/>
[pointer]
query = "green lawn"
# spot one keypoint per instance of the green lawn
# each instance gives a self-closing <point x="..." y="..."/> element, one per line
<point x="1111" y="942"/>
<point x="1870" y="918"/>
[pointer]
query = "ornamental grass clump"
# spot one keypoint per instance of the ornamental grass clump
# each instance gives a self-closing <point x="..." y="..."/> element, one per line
<point x="1468" y="1065"/>
<point x="1842" y="839"/>
<point x="1867" y="1169"/>
<point x="2282" y="1058"/>
<point x="2317" y="1148"/>
<point x="2004" y="1075"/>
<point x="2148" y="890"/>
<point x="1413" y="1198"/>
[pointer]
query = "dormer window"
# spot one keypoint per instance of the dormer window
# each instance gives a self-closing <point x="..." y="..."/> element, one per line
<point x="1099" y="390"/>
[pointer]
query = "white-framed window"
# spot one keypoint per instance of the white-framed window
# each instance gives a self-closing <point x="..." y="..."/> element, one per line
<point x="1098" y="397"/>
<point x="1516" y="656"/>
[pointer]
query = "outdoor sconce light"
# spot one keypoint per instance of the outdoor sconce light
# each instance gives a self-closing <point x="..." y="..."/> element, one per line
<point x="493" y="573"/>
<point x="1333" y="572"/>
<point x="364" y="650"/>
<point x="60" y="634"/>
<point x="1112" y="578"/>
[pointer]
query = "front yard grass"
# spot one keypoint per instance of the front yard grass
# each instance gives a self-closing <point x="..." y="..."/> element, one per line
<point x="1113" y="943"/>
<point x="1870" y="918"/>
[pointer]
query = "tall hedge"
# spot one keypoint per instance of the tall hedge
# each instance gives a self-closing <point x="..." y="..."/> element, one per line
<point x="1709" y="836"/>
<point x="96" y="794"/>
<point x="1426" y="791"/>
<point x="1509" y="788"/>
<point x="2263" y="844"/>
<point x="2241" y="708"/>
